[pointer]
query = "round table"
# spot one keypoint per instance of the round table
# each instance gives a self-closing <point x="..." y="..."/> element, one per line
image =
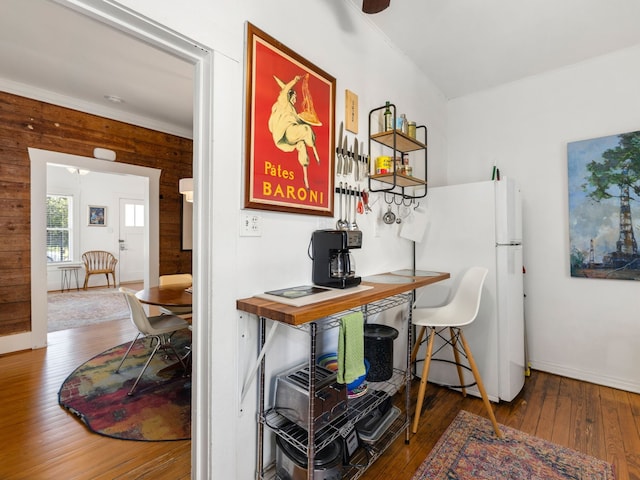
<point x="166" y="296"/>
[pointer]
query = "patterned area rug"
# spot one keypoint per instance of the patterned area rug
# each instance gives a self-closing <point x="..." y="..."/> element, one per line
<point x="470" y="450"/>
<point x="78" y="308"/>
<point x="160" y="408"/>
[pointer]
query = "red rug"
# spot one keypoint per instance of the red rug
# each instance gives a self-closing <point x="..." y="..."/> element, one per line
<point x="160" y="408"/>
<point x="470" y="450"/>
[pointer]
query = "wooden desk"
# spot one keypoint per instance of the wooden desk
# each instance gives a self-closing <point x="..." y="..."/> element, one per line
<point x="380" y="296"/>
<point x="167" y="296"/>
<point x="296" y="316"/>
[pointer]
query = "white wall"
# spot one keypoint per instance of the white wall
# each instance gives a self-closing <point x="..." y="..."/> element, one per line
<point x="582" y="328"/>
<point x="336" y="37"/>
<point x="95" y="188"/>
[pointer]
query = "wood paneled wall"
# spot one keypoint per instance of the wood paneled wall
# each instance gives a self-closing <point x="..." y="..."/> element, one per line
<point x="28" y="123"/>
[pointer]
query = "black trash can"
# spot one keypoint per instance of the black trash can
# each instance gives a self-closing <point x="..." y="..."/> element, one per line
<point x="378" y="349"/>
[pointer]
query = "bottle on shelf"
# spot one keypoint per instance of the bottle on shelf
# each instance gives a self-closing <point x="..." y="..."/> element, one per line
<point x="404" y="125"/>
<point x="388" y="118"/>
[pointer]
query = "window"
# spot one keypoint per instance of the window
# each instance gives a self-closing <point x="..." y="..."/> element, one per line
<point x="133" y="215"/>
<point x="59" y="228"/>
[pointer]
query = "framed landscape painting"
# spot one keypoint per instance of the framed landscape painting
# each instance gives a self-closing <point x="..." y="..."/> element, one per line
<point x="289" y="135"/>
<point x="604" y="188"/>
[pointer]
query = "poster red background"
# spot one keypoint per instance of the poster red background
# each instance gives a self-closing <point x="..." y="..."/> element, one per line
<point x="269" y="62"/>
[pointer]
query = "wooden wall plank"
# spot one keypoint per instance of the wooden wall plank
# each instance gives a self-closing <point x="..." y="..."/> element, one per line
<point x="25" y="123"/>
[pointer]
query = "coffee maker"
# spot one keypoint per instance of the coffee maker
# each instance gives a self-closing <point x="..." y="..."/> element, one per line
<point x="333" y="264"/>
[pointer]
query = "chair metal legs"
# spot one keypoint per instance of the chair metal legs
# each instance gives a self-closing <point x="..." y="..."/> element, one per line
<point x="455" y="333"/>
<point x="161" y="342"/>
<point x="127" y="352"/>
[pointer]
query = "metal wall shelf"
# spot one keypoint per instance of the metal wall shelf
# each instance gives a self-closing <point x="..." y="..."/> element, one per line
<point x="398" y="142"/>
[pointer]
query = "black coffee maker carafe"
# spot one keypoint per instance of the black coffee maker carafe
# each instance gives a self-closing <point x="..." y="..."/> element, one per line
<point x="333" y="264"/>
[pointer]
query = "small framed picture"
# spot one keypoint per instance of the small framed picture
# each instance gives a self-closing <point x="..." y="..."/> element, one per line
<point x="97" y="216"/>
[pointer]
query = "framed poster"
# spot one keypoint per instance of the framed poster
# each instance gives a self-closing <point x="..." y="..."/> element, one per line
<point x="97" y="216"/>
<point x="289" y="132"/>
<point x="604" y="182"/>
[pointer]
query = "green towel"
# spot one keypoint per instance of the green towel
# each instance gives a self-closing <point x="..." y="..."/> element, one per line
<point x="351" y="348"/>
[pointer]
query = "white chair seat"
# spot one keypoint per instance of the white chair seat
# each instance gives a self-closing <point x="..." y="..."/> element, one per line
<point x="438" y="317"/>
<point x="184" y="312"/>
<point x="161" y="324"/>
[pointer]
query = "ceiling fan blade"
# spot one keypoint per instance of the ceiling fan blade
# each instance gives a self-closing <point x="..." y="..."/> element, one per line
<point x="374" y="6"/>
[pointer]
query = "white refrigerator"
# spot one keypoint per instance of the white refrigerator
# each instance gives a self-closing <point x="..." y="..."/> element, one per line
<point x="479" y="224"/>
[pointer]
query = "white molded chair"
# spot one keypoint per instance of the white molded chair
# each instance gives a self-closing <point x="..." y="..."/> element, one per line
<point x="179" y="280"/>
<point x="461" y="310"/>
<point x="158" y="329"/>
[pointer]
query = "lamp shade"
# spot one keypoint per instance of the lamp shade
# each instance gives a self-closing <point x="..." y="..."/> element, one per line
<point x="186" y="188"/>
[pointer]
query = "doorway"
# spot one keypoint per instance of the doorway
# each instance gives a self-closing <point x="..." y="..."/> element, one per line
<point x="132" y="24"/>
<point x="131" y="240"/>
<point x="39" y="160"/>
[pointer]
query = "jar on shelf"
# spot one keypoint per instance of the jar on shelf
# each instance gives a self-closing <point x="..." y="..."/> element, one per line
<point x="398" y="165"/>
<point x="383" y="164"/>
<point x="411" y="129"/>
<point x="405" y="168"/>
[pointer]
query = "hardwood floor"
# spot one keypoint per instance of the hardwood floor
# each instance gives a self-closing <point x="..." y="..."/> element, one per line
<point x="40" y="441"/>
<point x="599" y="421"/>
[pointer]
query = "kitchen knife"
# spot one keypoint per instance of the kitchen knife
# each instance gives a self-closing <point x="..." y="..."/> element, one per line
<point x="339" y="150"/>
<point x="345" y="156"/>
<point x="356" y="159"/>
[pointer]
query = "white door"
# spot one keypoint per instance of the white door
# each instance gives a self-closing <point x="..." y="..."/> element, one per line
<point x="131" y="240"/>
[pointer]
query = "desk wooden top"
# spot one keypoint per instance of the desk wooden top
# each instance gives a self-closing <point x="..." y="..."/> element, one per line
<point x="167" y="296"/>
<point x="301" y="315"/>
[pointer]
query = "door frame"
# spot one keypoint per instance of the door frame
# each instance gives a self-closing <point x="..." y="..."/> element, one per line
<point x="201" y="57"/>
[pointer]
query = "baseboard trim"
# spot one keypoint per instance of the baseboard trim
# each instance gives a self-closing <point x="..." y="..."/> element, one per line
<point x="605" y="380"/>
<point x="16" y="343"/>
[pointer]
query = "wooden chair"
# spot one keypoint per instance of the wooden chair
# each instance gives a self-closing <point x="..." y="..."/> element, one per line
<point x="99" y="261"/>
<point x="178" y="279"/>
<point x="181" y="280"/>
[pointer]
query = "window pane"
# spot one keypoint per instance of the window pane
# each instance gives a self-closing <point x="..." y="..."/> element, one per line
<point x="58" y="246"/>
<point x="139" y="215"/>
<point x="57" y="211"/>
<point x="59" y="223"/>
<point x="129" y="215"/>
<point x="134" y="215"/>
